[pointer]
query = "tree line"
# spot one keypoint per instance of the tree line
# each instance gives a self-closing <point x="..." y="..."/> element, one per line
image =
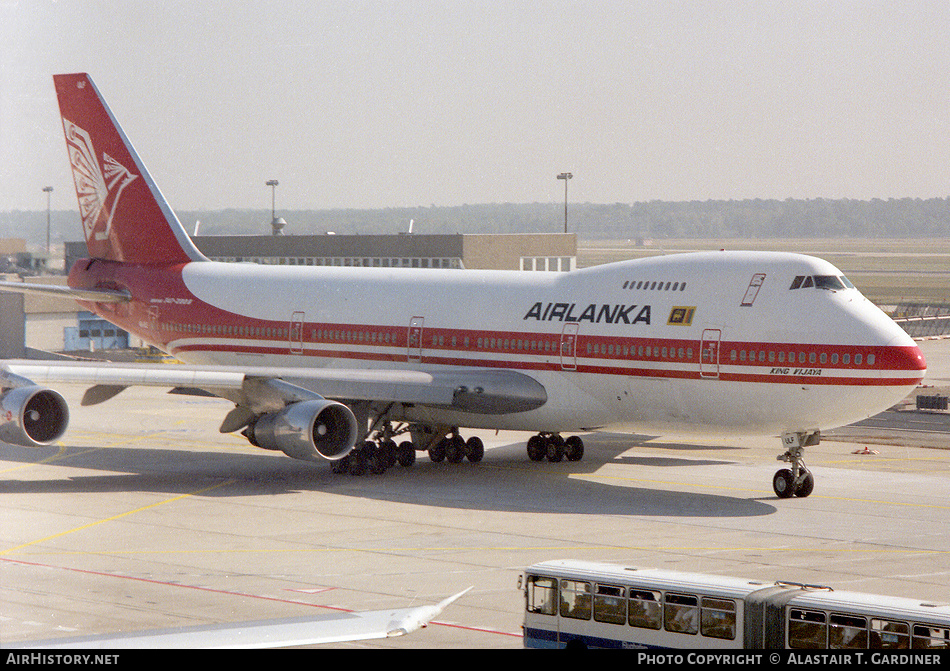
<point x="757" y="218"/>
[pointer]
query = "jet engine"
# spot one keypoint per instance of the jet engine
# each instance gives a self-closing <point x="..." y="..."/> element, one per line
<point x="32" y="416"/>
<point x="307" y="430"/>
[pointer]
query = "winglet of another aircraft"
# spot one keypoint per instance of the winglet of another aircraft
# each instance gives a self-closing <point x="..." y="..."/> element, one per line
<point x="282" y="633"/>
<point x="421" y="616"/>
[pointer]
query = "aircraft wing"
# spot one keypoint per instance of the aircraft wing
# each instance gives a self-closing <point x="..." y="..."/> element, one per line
<point x="267" y="388"/>
<point x="281" y="633"/>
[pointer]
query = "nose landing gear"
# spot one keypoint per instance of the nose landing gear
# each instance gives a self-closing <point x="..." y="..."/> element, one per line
<point x="797" y="480"/>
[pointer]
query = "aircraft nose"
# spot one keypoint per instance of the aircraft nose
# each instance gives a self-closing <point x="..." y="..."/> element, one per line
<point x="908" y="356"/>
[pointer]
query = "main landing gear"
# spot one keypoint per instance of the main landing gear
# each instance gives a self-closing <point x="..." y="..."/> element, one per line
<point x="378" y="455"/>
<point x="797" y="480"/>
<point x="553" y="447"/>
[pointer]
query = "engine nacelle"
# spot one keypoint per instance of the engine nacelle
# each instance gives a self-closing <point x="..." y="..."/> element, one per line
<point x="307" y="430"/>
<point x="32" y="416"/>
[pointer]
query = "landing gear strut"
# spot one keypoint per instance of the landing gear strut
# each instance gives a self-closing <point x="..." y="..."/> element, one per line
<point x="797" y="480"/>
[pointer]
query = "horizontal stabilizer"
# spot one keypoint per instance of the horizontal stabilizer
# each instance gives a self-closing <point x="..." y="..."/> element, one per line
<point x="59" y="291"/>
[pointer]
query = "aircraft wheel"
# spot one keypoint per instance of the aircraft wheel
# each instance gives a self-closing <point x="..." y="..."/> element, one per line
<point x="341" y="465"/>
<point x="455" y="450"/>
<point x="357" y="462"/>
<point x="783" y="483"/>
<point x="574" y="448"/>
<point x="536" y="448"/>
<point x="376" y="462"/>
<point x="474" y="449"/>
<point x="806" y="486"/>
<point x="555" y="448"/>
<point x="406" y="454"/>
<point x="437" y="451"/>
<point x="388" y="450"/>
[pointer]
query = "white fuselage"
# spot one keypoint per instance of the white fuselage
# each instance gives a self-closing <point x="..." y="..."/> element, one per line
<point x="711" y="342"/>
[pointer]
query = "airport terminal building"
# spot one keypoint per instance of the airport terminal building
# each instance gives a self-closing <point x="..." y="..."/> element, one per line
<point x="545" y="252"/>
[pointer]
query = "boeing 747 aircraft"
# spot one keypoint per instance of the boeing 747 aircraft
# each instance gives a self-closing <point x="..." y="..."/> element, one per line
<point x="327" y="363"/>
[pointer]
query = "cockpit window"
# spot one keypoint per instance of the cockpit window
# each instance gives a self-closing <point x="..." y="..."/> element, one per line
<point x="830" y="282"/>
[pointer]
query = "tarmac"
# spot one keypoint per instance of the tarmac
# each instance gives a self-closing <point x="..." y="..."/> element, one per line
<point x="144" y="516"/>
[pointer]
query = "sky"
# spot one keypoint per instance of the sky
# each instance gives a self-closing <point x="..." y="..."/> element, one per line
<point x="408" y="103"/>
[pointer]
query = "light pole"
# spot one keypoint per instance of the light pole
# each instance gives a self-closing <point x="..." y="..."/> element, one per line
<point x="277" y="225"/>
<point x="565" y="176"/>
<point x="272" y="183"/>
<point x="48" y="190"/>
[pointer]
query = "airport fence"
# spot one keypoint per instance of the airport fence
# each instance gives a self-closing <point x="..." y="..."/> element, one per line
<point x="923" y="320"/>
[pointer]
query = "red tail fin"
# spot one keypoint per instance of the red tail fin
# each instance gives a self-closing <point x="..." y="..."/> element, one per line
<point x="124" y="215"/>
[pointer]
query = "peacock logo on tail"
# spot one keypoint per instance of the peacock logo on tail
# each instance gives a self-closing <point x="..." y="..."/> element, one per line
<point x="98" y="185"/>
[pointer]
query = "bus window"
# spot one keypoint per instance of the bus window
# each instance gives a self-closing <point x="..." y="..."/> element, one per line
<point x="541" y="595"/>
<point x="718" y="618"/>
<point x="575" y="599"/>
<point x="931" y="638"/>
<point x="847" y="631"/>
<point x="681" y="613"/>
<point x="609" y="604"/>
<point x="644" y="609"/>
<point x="889" y="634"/>
<point x="806" y="629"/>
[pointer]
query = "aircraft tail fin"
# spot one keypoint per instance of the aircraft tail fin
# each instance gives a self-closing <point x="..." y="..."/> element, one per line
<point x="125" y="217"/>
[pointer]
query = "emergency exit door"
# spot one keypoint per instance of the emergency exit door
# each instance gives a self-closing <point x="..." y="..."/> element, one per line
<point x="709" y="354"/>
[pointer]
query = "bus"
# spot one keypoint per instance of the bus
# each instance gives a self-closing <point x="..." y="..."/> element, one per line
<point x="583" y="604"/>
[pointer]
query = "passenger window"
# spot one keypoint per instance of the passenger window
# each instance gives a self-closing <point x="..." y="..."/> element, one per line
<point x="718" y="618"/>
<point x="610" y="606"/>
<point x="541" y="595"/>
<point x="681" y="613"/>
<point x="644" y="609"/>
<point x="889" y="634"/>
<point x="931" y="638"/>
<point x="806" y="629"/>
<point x="847" y="631"/>
<point x="575" y="599"/>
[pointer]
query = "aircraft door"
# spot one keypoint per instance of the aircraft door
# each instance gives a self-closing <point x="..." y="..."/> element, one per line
<point x="414" y="340"/>
<point x="569" y="346"/>
<point x="709" y="354"/>
<point x="296" y="333"/>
